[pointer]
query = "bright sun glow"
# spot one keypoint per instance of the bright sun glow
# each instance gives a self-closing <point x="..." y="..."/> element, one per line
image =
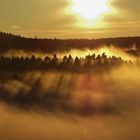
<point x="90" y="9"/>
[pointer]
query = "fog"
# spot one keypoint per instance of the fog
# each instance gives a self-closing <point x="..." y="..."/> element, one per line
<point x="70" y="105"/>
<point x="81" y="53"/>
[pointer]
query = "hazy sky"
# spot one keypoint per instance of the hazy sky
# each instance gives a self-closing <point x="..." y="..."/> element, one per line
<point x="55" y="18"/>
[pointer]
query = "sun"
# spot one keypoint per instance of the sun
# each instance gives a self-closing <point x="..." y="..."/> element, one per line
<point x="90" y="9"/>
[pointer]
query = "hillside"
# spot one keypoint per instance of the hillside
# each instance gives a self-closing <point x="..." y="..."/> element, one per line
<point x="15" y="42"/>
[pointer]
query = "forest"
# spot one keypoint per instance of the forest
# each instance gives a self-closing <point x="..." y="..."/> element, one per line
<point x="90" y="62"/>
<point x="16" y="42"/>
<point x="48" y="87"/>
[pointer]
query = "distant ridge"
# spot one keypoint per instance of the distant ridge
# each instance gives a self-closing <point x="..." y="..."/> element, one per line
<point x="10" y="41"/>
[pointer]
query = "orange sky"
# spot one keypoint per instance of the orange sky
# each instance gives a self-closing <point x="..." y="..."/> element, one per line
<point x="55" y="18"/>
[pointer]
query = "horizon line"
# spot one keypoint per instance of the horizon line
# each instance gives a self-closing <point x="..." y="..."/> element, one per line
<point x="55" y="38"/>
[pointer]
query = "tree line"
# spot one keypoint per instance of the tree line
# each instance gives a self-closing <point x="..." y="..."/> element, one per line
<point x="94" y="62"/>
<point x="16" y="42"/>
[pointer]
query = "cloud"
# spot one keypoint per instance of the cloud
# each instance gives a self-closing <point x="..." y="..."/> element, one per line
<point x="49" y="19"/>
<point x="15" y="27"/>
<point x="36" y="14"/>
<point x="125" y="11"/>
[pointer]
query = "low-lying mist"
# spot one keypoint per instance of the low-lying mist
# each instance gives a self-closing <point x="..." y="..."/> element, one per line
<point x="88" y="90"/>
<point x="108" y="50"/>
<point x="70" y="105"/>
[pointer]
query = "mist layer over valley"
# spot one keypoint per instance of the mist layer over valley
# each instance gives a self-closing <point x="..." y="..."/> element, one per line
<point x="39" y="104"/>
<point x="75" y="93"/>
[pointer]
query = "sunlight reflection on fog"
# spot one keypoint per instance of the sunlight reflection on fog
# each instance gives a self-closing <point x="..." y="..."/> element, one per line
<point x="109" y="51"/>
<point x="74" y="106"/>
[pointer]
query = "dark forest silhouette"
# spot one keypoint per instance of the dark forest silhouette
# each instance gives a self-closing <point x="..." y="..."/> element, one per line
<point x="16" y="42"/>
<point x="66" y="63"/>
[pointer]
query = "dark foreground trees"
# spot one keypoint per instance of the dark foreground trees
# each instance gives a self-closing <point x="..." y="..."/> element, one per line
<point x="93" y="62"/>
